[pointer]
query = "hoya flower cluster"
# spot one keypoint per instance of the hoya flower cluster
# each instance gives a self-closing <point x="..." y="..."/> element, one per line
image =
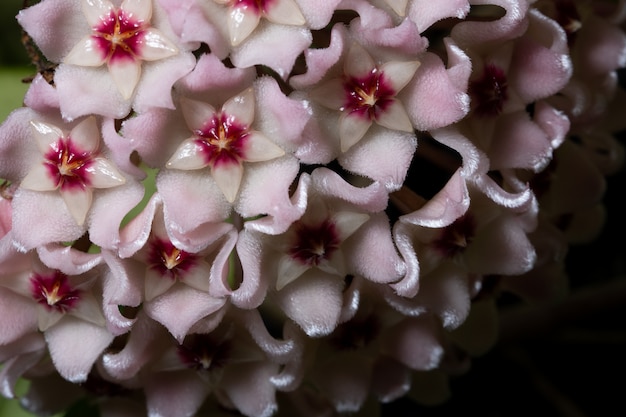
<point x="292" y="207"/>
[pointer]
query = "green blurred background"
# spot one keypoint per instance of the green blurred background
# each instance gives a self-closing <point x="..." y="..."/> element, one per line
<point x="14" y="62"/>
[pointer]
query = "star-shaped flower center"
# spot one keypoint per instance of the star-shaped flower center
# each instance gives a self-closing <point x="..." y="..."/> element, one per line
<point x="203" y="352"/>
<point x="368" y="96"/>
<point x="314" y="243"/>
<point x="168" y="260"/>
<point x="455" y="238"/>
<point x="54" y="292"/>
<point x="72" y="165"/>
<point x="122" y="38"/>
<point x="119" y="36"/>
<point x="366" y="93"/>
<point x="68" y="165"/>
<point x="489" y="92"/>
<point x="223" y="140"/>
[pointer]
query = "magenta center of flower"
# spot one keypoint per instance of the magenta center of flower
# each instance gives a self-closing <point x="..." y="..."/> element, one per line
<point x="168" y="260"/>
<point x="203" y="353"/>
<point x="489" y="92"/>
<point x="257" y="6"/>
<point x="54" y="291"/>
<point x="119" y="36"/>
<point x="454" y="238"/>
<point x="223" y="140"/>
<point x="314" y="243"/>
<point x="67" y="165"/>
<point x="368" y="96"/>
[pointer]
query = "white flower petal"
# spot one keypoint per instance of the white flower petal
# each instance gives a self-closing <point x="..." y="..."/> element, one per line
<point x="358" y="63"/>
<point x="198" y="277"/>
<point x="336" y="265"/>
<point x="86" y="53"/>
<point x="140" y="9"/>
<point x="196" y="113"/>
<point x="330" y="94"/>
<point x="125" y="75"/>
<point x="289" y="270"/>
<point x="228" y="178"/>
<point x="352" y="127"/>
<point x="241" y="23"/>
<point x="156" y="284"/>
<point x="86" y="135"/>
<point x="47" y="318"/>
<point x="39" y="179"/>
<point x="260" y="148"/>
<point x="395" y="117"/>
<point x="188" y="156"/>
<point x="95" y="10"/>
<point x="45" y="135"/>
<point x="89" y="310"/>
<point x="285" y="12"/>
<point x="156" y="46"/>
<point x="78" y="202"/>
<point x="103" y="174"/>
<point x="241" y="107"/>
<point x="398" y="6"/>
<point x="399" y="73"/>
<point x="348" y="222"/>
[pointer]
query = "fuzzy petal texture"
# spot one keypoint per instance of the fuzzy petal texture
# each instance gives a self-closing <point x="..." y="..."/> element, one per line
<point x="314" y="301"/>
<point x="172" y="394"/>
<point x="181" y="307"/>
<point x="248" y="387"/>
<point x="344" y="379"/>
<point x="72" y="360"/>
<point x="415" y="343"/>
<point x="433" y="99"/>
<point x="18" y="316"/>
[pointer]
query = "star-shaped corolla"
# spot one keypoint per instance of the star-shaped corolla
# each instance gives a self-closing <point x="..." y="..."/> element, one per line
<point x="167" y="264"/>
<point x="223" y="140"/>
<point x="245" y="15"/>
<point x="58" y="294"/>
<point x="314" y="242"/>
<point x="72" y="165"/>
<point x="367" y="93"/>
<point x="121" y="38"/>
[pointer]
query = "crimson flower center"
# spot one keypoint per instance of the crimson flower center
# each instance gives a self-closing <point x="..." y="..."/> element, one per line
<point x="203" y="353"/>
<point x="490" y="91"/>
<point x="54" y="291"/>
<point x="314" y="243"/>
<point x="368" y="96"/>
<point x="168" y="260"/>
<point x="68" y="165"/>
<point x="455" y="238"/>
<point x="223" y="140"/>
<point x="119" y="36"/>
<point x="258" y="6"/>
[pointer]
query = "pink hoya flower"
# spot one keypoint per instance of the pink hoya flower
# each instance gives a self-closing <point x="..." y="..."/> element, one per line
<point x="63" y="170"/>
<point x="112" y="50"/>
<point x="121" y="38"/>
<point x="63" y="305"/>
<point x="72" y="165"/>
<point x="271" y="33"/>
<point x="223" y="141"/>
<point x="292" y="207"/>
<point x="367" y="93"/>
